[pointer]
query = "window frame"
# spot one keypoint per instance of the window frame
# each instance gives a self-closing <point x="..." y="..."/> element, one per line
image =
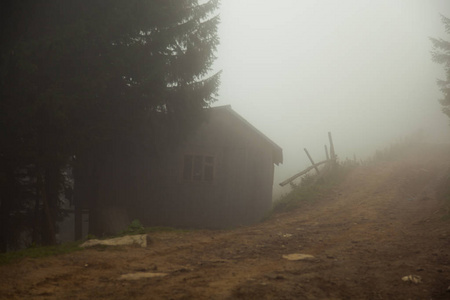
<point x="198" y="168"/>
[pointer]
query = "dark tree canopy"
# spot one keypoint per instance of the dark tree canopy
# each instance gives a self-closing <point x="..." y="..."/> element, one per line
<point x="441" y="55"/>
<point x="77" y="77"/>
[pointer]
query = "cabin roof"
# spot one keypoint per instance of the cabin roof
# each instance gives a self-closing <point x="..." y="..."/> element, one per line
<point x="277" y="151"/>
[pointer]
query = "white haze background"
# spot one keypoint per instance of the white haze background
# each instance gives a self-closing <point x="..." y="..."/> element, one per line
<point x="361" y="69"/>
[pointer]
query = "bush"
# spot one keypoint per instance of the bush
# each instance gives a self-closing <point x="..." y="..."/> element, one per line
<point x="134" y="228"/>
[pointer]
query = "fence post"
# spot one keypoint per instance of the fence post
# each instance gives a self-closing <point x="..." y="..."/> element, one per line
<point x="332" y="153"/>
<point x="312" y="162"/>
<point x="333" y="156"/>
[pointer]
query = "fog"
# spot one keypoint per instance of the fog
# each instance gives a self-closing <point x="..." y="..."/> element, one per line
<point x="361" y="69"/>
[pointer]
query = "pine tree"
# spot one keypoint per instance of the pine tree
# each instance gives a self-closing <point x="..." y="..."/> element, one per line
<point x="80" y="77"/>
<point x="33" y="118"/>
<point x="156" y="87"/>
<point x="441" y="55"/>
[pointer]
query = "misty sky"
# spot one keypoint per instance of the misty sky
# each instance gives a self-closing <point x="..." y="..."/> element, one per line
<point x="361" y="69"/>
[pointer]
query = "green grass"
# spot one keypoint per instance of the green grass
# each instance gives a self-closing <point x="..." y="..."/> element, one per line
<point x="46" y="251"/>
<point x="134" y="228"/>
<point x="306" y="192"/>
<point x="296" y="197"/>
<point x="309" y="190"/>
<point x="39" y="251"/>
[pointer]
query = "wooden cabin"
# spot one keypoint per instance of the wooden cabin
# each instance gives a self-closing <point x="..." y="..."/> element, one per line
<point x="221" y="177"/>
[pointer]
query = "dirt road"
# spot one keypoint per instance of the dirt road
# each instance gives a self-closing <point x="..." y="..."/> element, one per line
<point x="383" y="223"/>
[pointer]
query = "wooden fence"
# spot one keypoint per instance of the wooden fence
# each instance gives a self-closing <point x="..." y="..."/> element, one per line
<point x="331" y="161"/>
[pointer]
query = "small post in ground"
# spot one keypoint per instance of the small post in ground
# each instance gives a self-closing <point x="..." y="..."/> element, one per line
<point x="332" y="154"/>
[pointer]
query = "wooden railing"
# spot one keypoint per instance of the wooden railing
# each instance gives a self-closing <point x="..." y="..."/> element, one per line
<point x="331" y="160"/>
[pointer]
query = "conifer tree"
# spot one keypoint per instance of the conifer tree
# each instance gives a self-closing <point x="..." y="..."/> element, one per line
<point x="441" y="55"/>
<point x="78" y="77"/>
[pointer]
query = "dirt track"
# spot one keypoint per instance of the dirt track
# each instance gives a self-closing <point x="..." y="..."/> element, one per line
<point x="383" y="223"/>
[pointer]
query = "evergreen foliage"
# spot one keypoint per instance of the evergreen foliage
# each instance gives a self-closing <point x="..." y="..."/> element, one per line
<point x="441" y="55"/>
<point x="79" y="77"/>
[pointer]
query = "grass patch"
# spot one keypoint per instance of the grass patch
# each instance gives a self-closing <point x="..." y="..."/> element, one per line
<point x="298" y="196"/>
<point x="134" y="228"/>
<point x="45" y="251"/>
<point x="39" y="251"/>
<point x="309" y="190"/>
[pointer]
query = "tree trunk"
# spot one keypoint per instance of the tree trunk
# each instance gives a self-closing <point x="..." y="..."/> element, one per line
<point x="49" y="193"/>
<point x="80" y="175"/>
<point x="36" y="235"/>
<point x="4" y="220"/>
<point x="87" y="176"/>
<point x="6" y="198"/>
<point x="94" y="206"/>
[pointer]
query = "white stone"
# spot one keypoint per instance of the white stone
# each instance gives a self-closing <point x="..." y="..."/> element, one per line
<point x="140" y="240"/>
<point x="298" y="256"/>
<point x="412" y="278"/>
<point x="140" y="275"/>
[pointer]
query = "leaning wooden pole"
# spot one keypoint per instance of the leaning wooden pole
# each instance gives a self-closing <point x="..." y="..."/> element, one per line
<point x="326" y="152"/>
<point x="290" y="179"/>
<point x="311" y="160"/>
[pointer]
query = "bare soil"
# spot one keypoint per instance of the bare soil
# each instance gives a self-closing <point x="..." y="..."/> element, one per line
<point x="382" y="223"/>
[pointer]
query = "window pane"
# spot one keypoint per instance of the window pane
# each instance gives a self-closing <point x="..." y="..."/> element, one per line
<point x="198" y="164"/>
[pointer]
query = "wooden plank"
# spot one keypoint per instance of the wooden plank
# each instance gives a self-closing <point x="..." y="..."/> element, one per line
<point x="290" y="179"/>
<point x="312" y="162"/>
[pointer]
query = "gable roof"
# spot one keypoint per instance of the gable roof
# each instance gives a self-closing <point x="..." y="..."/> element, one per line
<point x="277" y="151"/>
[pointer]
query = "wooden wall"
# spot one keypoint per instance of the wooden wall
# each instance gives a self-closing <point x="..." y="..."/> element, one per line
<point x="156" y="193"/>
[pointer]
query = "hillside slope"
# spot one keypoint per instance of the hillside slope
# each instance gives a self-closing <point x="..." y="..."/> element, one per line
<point x="383" y="223"/>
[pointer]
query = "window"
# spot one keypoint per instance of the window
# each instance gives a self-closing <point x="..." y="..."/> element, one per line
<point x="198" y="168"/>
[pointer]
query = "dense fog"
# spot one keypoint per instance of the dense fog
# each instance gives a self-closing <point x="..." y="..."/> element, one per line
<point x="361" y="69"/>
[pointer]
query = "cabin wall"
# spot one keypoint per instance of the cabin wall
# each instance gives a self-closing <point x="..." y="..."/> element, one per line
<point x="241" y="192"/>
<point x="155" y="192"/>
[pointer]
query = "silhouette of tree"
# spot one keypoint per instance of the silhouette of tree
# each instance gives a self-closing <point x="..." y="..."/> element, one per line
<point x="441" y="55"/>
<point x="79" y="77"/>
